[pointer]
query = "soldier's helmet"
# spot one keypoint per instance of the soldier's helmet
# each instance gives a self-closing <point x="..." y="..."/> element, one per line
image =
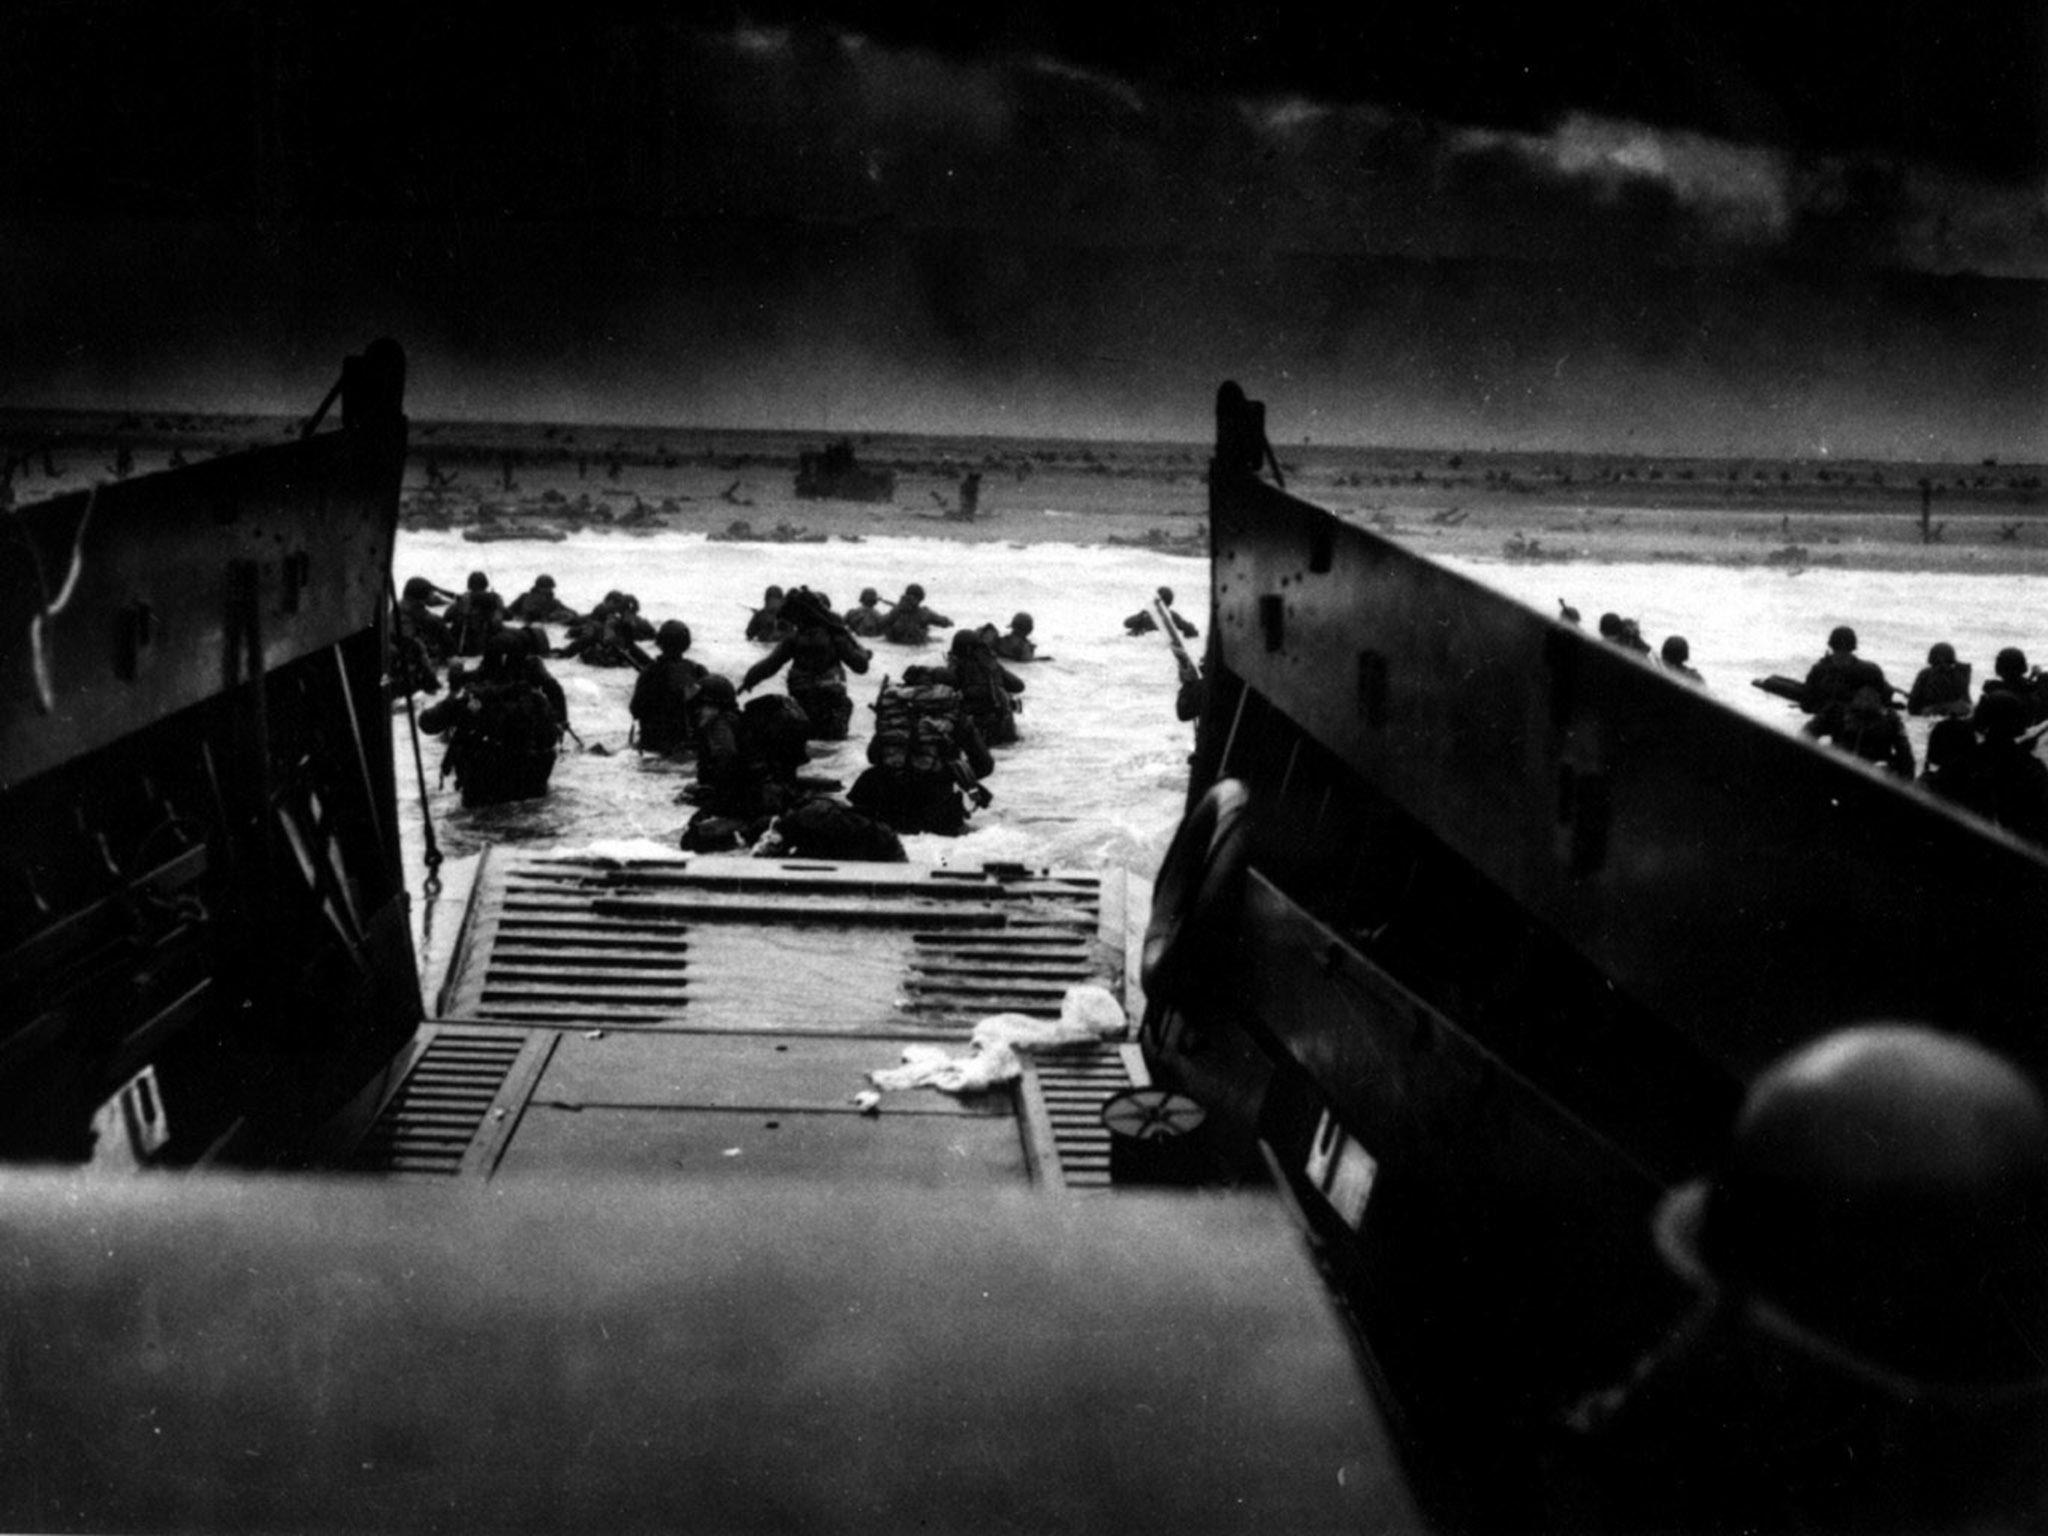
<point x="869" y="597"/>
<point x="1021" y="623"/>
<point x="1841" y="638"/>
<point x="1883" y="1208"/>
<point x="673" y="638"/>
<point x="801" y="608"/>
<point x="1941" y="654"/>
<point x="502" y="650"/>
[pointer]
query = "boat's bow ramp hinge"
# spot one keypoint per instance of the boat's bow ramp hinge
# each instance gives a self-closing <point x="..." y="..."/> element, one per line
<point x="592" y="993"/>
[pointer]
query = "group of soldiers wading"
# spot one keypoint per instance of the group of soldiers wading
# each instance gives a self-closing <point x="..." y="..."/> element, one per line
<point x="1980" y="753"/>
<point x="504" y="716"/>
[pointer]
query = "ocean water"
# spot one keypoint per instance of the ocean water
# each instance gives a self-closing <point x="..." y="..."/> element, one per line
<point x="1098" y="778"/>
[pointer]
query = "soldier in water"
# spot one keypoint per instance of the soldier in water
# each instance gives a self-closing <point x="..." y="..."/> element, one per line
<point x="865" y="619"/>
<point x="539" y="605"/>
<point x="910" y="622"/>
<point x="1142" y="622"/>
<point x="988" y="689"/>
<point x="817" y="649"/>
<point x="476" y="615"/>
<point x="1017" y="645"/>
<point x="1865" y="726"/>
<point x="1943" y="686"/>
<point x="924" y="757"/>
<point x="1626" y="633"/>
<point x="502" y="726"/>
<point x="747" y="762"/>
<point x="610" y="635"/>
<point x="765" y="623"/>
<point x="420" y="640"/>
<point x="1837" y="676"/>
<point x="1677" y="656"/>
<point x="2010" y="674"/>
<point x="665" y="690"/>
<point x="416" y="615"/>
<point x="2006" y="783"/>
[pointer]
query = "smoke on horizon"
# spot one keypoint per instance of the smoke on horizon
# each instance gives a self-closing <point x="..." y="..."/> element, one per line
<point x="803" y="228"/>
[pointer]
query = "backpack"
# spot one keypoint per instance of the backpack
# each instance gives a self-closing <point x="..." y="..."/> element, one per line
<point x="918" y="709"/>
<point x="515" y="719"/>
<point x="504" y="749"/>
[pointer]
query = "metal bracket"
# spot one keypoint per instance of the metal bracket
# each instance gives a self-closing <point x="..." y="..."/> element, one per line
<point x="131" y="1127"/>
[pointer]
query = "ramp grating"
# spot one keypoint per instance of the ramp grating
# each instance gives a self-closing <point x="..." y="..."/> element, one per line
<point x="570" y="940"/>
<point x="1062" y="1097"/>
<point x="432" y="1121"/>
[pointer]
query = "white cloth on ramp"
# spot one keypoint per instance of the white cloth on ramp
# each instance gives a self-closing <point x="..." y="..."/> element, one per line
<point x="1087" y="1014"/>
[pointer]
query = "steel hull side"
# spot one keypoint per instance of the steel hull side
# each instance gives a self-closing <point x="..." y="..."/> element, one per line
<point x="1751" y="888"/>
<point x="202" y="906"/>
<point x="1521" y="918"/>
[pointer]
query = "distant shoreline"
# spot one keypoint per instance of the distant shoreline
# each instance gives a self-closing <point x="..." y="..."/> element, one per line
<point x="508" y="480"/>
<point x="25" y="429"/>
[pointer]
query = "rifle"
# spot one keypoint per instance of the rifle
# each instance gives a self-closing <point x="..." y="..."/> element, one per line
<point x="1188" y="669"/>
<point x="964" y="777"/>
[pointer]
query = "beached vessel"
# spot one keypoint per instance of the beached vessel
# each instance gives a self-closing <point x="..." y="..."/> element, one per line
<point x="833" y="473"/>
<point x="1473" y="934"/>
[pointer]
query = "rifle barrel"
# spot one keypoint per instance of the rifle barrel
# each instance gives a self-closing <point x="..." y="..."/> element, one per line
<point x="1172" y="630"/>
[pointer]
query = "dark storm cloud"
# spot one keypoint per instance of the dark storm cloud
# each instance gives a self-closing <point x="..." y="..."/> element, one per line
<point x="644" y="218"/>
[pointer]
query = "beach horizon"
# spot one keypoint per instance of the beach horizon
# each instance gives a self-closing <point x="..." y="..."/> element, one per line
<point x="537" y="481"/>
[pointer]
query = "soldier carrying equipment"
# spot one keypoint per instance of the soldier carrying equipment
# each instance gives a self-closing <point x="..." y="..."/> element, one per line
<point x="503" y="731"/>
<point x="925" y="753"/>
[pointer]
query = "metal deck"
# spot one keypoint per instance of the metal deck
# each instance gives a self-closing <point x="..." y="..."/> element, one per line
<point x="719" y="1015"/>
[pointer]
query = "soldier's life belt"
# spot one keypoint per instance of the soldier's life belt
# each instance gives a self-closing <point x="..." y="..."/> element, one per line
<point x="1196" y="896"/>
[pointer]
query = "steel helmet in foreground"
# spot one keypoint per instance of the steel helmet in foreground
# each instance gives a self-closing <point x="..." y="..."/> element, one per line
<point x="1884" y="1205"/>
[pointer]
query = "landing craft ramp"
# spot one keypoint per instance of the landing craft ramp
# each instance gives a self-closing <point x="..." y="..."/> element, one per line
<point x="718" y="1016"/>
<point x="206" y="953"/>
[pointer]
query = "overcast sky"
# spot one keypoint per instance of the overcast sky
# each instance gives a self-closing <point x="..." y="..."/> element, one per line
<point x="1588" y="228"/>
